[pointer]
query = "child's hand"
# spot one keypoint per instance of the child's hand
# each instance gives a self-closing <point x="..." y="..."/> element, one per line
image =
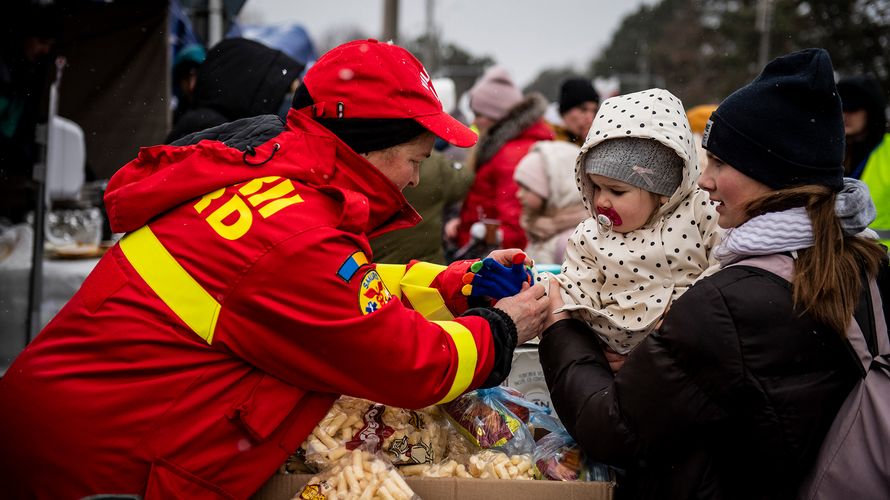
<point x="490" y="278"/>
<point x="509" y="256"/>
<point x="616" y="361"/>
<point x="555" y="303"/>
<point x="451" y="228"/>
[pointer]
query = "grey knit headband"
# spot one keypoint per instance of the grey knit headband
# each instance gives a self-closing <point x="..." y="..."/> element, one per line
<point x="644" y="163"/>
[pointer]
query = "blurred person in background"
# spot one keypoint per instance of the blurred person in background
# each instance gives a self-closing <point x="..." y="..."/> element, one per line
<point x="443" y="184"/>
<point x="239" y="78"/>
<point x="508" y="125"/>
<point x="550" y="199"/>
<point x="868" y="143"/>
<point x="185" y="75"/>
<point x="29" y="34"/>
<point x="578" y="105"/>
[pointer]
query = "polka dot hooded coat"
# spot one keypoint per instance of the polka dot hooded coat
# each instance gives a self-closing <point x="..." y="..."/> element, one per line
<point x="621" y="284"/>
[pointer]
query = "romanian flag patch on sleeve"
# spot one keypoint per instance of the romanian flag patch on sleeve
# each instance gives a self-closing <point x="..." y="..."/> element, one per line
<point x="351" y="265"/>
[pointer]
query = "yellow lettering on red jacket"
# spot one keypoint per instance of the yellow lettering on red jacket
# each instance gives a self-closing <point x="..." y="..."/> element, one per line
<point x="239" y="215"/>
<point x="234" y="218"/>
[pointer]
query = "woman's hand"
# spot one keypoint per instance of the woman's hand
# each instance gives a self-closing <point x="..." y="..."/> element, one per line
<point x="527" y="309"/>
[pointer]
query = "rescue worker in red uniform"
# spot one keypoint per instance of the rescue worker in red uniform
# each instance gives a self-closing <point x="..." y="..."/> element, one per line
<point x="242" y="302"/>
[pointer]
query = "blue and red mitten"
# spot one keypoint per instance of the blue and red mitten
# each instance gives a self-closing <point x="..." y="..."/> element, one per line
<point x="490" y="278"/>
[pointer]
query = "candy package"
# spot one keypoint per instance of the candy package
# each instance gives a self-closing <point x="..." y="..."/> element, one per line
<point x="559" y="458"/>
<point x="497" y="417"/>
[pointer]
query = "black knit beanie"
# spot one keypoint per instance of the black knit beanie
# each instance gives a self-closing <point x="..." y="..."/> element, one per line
<point x="785" y="128"/>
<point x="576" y="91"/>
<point x="364" y="135"/>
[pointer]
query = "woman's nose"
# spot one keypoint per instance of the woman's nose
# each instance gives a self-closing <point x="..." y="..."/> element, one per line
<point x="705" y="181"/>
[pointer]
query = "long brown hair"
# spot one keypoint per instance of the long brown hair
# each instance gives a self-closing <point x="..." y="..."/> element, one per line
<point x="828" y="276"/>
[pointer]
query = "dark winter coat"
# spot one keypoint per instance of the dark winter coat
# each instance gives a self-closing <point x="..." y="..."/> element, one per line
<point x="731" y="398"/>
<point x="22" y="84"/>
<point x="240" y="78"/>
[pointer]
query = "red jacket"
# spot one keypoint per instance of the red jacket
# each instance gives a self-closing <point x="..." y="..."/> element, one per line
<point x="209" y="342"/>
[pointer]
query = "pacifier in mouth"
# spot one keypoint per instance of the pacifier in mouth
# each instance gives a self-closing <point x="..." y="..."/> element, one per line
<point x="607" y="217"/>
<point x="603" y="220"/>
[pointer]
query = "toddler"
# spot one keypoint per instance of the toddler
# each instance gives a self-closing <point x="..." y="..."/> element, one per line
<point x="650" y="230"/>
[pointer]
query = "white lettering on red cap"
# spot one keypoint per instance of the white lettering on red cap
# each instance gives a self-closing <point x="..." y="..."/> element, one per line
<point x="427" y="82"/>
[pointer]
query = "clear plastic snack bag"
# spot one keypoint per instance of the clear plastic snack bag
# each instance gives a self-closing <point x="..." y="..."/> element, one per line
<point x="497" y="417"/>
<point x="358" y="474"/>
<point x="407" y="437"/>
<point x="419" y="437"/>
<point x="495" y="464"/>
<point x="558" y="457"/>
<point x="484" y="464"/>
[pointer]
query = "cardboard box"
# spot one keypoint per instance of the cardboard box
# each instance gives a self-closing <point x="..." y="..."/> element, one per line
<point x="527" y="376"/>
<point x="285" y="486"/>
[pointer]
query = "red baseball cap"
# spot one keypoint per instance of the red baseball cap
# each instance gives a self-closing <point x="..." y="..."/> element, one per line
<point x="370" y="79"/>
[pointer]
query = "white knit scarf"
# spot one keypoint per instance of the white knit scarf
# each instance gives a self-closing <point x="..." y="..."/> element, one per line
<point x="791" y="230"/>
<point x="773" y="232"/>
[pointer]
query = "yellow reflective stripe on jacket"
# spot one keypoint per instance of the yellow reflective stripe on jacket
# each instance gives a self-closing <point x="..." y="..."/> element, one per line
<point x="466" y="358"/>
<point x="415" y="285"/>
<point x="173" y="284"/>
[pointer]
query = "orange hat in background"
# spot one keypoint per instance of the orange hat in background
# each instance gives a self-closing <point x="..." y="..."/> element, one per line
<point x="698" y="116"/>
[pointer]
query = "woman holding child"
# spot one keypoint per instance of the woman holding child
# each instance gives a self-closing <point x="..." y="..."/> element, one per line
<point x="733" y="393"/>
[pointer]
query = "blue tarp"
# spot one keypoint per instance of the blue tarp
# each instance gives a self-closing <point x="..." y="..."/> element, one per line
<point x="291" y="39"/>
<point x="182" y="34"/>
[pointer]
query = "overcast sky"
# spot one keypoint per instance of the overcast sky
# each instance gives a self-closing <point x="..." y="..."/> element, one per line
<point x="526" y="36"/>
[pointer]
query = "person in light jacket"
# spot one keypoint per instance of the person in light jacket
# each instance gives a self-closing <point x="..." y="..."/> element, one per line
<point x="551" y="203"/>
